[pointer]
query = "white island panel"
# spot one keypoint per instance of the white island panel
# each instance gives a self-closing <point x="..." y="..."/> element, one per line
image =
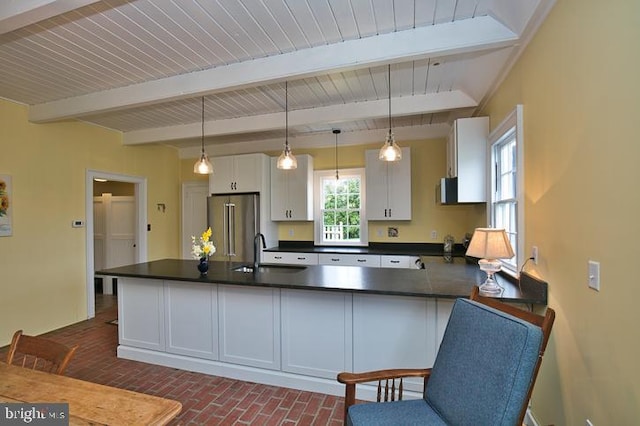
<point x="316" y="332"/>
<point x="249" y="326"/>
<point x="141" y="313"/>
<point x="394" y="332"/>
<point x="192" y="319"/>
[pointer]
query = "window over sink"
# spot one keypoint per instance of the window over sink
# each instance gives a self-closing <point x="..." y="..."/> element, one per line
<point x="340" y="208"/>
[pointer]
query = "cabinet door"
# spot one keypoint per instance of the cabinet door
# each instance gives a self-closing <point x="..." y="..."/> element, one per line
<point x="388" y="187"/>
<point x="249" y="331"/>
<point x="394" y="332"/>
<point x="399" y="192"/>
<point x="141" y="313"/>
<point x="221" y="181"/>
<point x="316" y="333"/>
<point x="292" y="191"/>
<point x="366" y="260"/>
<point x="406" y="262"/>
<point x="191" y="319"/>
<point x="247" y="172"/>
<point x="376" y="186"/>
<point x="290" y="258"/>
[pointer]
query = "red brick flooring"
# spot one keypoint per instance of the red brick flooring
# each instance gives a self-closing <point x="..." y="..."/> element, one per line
<point x="206" y="400"/>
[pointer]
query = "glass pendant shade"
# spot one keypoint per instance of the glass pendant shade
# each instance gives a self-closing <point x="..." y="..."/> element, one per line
<point x="203" y="166"/>
<point x="390" y="151"/>
<point x="287" y="161"/>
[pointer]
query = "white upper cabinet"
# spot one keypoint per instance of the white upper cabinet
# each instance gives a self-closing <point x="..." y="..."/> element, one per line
<point x="467" y="157"/>
<point x="388" y="187"/>
<point x="238" y="173"/>
<point x="292" y="191"/>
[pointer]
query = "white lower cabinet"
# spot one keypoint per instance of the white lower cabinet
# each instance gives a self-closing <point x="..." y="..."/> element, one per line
<point x="406" y="262"/>
<point x="316" y="332"/>
<point x="290" y="258"/>
<point x="367" y="260"/>
<point x="394" y="332"/>
<point x="249" y="325"/>
<point x="191" y="319"/>
<point x="141" y="313"/>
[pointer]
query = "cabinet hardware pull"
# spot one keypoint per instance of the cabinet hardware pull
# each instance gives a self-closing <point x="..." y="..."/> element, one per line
<point x="302" y="258"/>
<point x="278" y="257"/>
<point x="395" y="261"/>
<point x="362" y="260"/>
<point x="333" y="259"/>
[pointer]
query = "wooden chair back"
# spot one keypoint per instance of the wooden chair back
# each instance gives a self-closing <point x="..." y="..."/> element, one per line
<point x="38" y="353"/>
<point x="544" y="322"/>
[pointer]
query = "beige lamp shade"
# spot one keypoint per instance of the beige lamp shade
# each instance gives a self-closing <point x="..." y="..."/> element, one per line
<point x="490" y="243"/>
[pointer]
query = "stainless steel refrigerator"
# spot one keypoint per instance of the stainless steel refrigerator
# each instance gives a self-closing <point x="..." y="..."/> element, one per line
<point x="234" y="220"/>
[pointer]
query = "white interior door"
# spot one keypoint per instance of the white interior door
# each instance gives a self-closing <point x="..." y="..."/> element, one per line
<point x="194" y="213"/>
<point x="121" y="231"/>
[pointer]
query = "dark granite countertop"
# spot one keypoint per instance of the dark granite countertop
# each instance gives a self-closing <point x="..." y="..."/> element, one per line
<point x="439" y="279"/>
<point x="408" y="249"/>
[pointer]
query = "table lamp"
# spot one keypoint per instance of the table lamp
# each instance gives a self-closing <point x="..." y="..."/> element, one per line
<point x="490" y="245"/>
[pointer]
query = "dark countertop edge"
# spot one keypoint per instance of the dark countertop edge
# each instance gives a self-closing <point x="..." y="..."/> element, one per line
<point x="532" y="290"/>
<point x="408" y="249"/>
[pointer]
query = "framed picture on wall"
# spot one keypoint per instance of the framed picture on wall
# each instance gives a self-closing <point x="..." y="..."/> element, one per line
<point x="5" y="205"/>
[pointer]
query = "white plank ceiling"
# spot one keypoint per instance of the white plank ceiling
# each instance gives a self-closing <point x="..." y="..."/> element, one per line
<point x="142" y="66"/>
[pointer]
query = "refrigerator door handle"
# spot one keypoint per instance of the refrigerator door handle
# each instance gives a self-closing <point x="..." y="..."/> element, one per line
<point x="231" y="228"/>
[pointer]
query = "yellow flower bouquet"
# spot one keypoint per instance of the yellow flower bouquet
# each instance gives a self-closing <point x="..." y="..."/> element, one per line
<point x="202" y="247"/>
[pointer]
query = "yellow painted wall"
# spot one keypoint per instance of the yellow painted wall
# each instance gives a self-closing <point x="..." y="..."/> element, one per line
<point x="578" y="81"/>
<point x="42" y="266"/>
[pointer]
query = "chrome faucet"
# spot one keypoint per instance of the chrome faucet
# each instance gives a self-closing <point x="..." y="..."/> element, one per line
<point x="256" y="250"/>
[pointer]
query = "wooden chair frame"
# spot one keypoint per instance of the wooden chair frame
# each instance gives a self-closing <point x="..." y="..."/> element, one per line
<point x="39" y="353"/>
<point x="390" y="381"/>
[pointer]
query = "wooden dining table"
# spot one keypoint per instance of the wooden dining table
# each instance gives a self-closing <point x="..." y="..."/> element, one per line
<point x="89" y="403"/>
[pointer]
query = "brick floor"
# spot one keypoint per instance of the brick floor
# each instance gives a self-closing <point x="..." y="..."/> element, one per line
<point x="206" y="400"/>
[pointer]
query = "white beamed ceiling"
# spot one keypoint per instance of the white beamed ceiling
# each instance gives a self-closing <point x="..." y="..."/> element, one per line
<point x="142" y="66"/>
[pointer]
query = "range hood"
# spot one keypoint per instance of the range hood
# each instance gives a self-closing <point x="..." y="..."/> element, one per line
<point x="447" y="191"/>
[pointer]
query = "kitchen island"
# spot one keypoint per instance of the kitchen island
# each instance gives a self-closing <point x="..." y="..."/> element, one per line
<point x="292" y="326"/>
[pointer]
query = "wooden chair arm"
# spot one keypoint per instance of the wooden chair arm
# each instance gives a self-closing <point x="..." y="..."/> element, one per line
<point x="370" y="376"/>
<point x="351" y="379"/>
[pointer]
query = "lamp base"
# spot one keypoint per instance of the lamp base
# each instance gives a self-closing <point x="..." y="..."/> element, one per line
<point x="490" y="286"/>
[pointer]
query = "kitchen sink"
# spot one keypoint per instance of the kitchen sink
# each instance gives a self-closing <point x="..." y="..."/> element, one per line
<point x="277" y="269"/>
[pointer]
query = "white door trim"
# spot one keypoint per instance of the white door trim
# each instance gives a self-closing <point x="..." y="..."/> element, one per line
<point x="140" y="194"/>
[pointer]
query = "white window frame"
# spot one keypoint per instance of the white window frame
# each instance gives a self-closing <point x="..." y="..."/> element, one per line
<point x="318" y="175"/>
<point x="513" y="120"/>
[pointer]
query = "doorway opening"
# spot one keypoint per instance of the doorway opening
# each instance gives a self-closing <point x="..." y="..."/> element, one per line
<point x="139" y="239"/>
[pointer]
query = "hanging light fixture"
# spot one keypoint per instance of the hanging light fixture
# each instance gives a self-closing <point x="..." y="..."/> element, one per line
<point x="337" y="132"/>
<point x="390" y="151"/>
<point x="203" y="165"/>
<point x="286" y="161"/>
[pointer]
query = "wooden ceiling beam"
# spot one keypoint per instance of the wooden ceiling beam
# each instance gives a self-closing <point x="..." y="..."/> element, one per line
<point x="15" y="14"/>
<point x="334" y="114"/>
<point x="450" y="38"/>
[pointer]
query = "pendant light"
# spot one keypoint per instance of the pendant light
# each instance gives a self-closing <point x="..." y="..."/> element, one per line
<point x="390" y="151"/>
<point x="337" y="132"/>
<point x="203" y="165"/>
<point x="286" y="161"/>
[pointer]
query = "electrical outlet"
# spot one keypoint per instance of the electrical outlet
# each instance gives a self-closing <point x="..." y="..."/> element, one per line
<point x="434" y="235"/>
<point x="534" y="254"/>
<point x="291" y="232"/>
<point x="379" y="232"/>
<point x="594" y="275"/>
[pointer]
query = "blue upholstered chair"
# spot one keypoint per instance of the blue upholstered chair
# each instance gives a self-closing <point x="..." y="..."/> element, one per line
<point x="483" y="374"/>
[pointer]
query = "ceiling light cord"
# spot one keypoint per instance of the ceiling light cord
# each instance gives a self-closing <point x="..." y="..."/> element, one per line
<point x="337" y="132"/>
<point x="286" y="160"/>
<point x="203" y="166"/>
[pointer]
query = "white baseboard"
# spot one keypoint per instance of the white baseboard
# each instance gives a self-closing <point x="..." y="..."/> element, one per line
<point x="250" y="374"/>
<point x="529" y="419"/>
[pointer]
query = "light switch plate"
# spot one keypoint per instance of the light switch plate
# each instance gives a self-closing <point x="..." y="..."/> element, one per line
<point x="594" y="275"/>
